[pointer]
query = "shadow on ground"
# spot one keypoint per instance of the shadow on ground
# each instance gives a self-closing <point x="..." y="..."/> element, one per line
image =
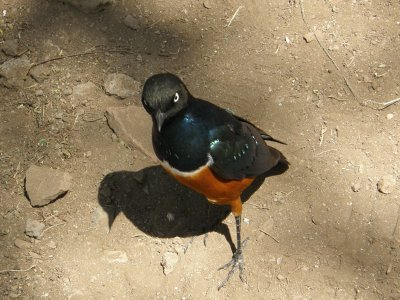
<point x="159" y="206"/>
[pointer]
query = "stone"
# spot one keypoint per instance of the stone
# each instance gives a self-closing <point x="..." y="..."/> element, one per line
<point x="49" y="51"/>
<point x="131" y="22"/>
<point x="21" y="244"/>
<point x="13" y="48"/>
<point x="87" y="92"/>
<point x="133" y="126"/>
<point x="52" y="244"/>
<point x="355" y="187"/>
<point x="207" y="4"/>
<point x="44" y="185"/>
<point x="40" y="73"/>
<point x="169" y="261"/>
<point x="386" y="184"/>
<point x="13" y="72"/>
<point x="309" y="37"/>
<point x="121" y="85"/>
<point x="115" y="257"/>
<point x="34" y="228"/>
<point x="99" y="218"/>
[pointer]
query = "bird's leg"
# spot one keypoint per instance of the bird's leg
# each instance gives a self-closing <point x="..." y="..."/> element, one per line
<point x="237" y="259"/>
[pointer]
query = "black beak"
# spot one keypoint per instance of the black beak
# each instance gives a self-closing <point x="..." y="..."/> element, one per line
<point x="160" y="118"/>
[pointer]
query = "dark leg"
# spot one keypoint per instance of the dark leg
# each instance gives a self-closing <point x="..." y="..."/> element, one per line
<point x="237" y="259"/>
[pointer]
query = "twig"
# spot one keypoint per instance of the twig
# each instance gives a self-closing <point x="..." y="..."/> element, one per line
<point x="384" y="104"/>
<point x="13" y="270"/>
<point x="234" y="15"/>
<point x="266" y="233"/>
<point x="323" y="152"/>
<point x="91" y="120"/>
<point x="325" y="51"/>
<point x="321" y="136"/>
<point x="17" y="170"/>
<point x="48" y="228"/>
<point x="78" y="54"/>
<point x="350" y="88"/>
<point x="336" y="98"/>
<point x="258" y="206"/>
<point x="323" y="48"/>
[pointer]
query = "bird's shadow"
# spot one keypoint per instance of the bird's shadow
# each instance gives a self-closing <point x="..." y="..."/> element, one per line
<point x="161" y="207"/>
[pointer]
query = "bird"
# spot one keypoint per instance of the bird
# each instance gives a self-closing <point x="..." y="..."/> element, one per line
<point x="207" y="148"/>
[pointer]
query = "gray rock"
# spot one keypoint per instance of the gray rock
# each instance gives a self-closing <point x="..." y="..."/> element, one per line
<point x="21" y="244"/>
<point x="115" y="257"/>
<point x="40" y="73"/>
<point x="99" y="218"/>
<point x="131" y="22"/>
<point x="169" y="261"/>
<point x="133" y="125"/>
<point x="121" y="85"/>
<point x="87" y="92"/>
<point x="44" y="184"/>
<point x="13" y="48"/>
<point x="13" y="72"/>
<point x="386" y="184"/>
<point x="34" y="228"/>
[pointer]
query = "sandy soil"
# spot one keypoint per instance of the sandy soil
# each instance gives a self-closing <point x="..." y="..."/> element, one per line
<point x="311" y="236"/>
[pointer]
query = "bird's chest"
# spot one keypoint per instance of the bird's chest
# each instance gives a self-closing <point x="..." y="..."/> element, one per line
<point x="184" y="146"/>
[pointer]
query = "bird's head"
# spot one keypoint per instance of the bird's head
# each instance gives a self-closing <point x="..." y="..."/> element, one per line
<point x="164" y="96"/>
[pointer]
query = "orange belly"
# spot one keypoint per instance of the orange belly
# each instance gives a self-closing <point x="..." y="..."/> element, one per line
<point x="217" y="190"/>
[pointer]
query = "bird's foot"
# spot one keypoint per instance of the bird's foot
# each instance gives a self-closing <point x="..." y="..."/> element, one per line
<point x="235" y="263"/>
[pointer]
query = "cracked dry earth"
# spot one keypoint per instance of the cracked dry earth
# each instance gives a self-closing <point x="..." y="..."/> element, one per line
<point x="310" y="72"/>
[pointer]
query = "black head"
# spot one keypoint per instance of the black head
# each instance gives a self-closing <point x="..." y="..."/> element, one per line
<point x="164" y="96"/>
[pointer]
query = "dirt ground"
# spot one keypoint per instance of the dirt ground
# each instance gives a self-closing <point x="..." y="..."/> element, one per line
<point x="321" y="230"/>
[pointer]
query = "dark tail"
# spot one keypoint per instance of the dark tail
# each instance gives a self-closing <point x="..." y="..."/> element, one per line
<point x="267" y="137"/>
<point x="264" y="135"/>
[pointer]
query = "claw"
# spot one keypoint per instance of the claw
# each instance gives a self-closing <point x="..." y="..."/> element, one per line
<point x="235" y="263"/>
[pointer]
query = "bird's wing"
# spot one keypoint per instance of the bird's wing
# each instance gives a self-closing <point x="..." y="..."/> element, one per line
<point x="263" y="134"/>
<point x="238" y="151"/>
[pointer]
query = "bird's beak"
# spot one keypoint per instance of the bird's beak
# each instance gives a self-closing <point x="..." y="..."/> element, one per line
<point x="160" y="118"/>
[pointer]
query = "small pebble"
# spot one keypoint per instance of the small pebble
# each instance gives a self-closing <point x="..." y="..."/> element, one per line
<point x="39" y="93"/>
<point x="280" y="277"/>
<point x="116" y="257"/>
<point x="34" y="255"/>
<point x="309" y="37"/>
<point x="34" y="228"/>
<point x="87" y="154"/>
<point x="169" y="261"/>
<point x="21" y="244"/>
<point x="389" y="116"/>
<point x="207" y="4"/>
<point x="386" y="184"/>
<point x="114" y="137"/>
<point x="131" y="22"/>
<point x="356" y="187"/>
<point x="52" y="245"/>
<point x="246" y="221"/>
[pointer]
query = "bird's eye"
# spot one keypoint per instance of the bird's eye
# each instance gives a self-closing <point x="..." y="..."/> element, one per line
<point x="176" y="97"/>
